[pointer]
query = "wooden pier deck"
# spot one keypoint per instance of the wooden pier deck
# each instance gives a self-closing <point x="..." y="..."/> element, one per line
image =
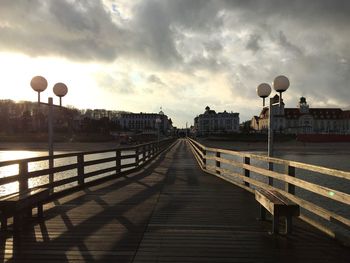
<point x="170" y="211"/>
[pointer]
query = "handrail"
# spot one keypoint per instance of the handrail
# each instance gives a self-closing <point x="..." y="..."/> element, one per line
<point x="205" y="154"/>
<point x="81" y="166"/>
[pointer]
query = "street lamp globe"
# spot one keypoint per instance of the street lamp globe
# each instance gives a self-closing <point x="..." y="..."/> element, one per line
<point x="281" y="84"/>
<point x="39" y="84"/>
<point x="60" y="90"/>
<point x="263" y="91"/>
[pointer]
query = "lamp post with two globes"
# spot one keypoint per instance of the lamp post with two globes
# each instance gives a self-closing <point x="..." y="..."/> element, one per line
<point x="280" y="84"/>
<point x="39" y="84"/>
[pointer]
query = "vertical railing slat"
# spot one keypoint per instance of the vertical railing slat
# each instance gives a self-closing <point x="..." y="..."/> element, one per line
<point x="246" y="171"/>
<point x="80" y="160"/>
<point x="271" y="169"/>
<point x="23" y="176"/>
<point x="117" y="161"/>
<point x="204" y="159"/>
<point x="218" y="164"/>
<point x="137" y="157"/>
<point x="290" y="188"/>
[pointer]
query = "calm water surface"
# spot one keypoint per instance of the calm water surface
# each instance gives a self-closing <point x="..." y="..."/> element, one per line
<point x="33" y="166"/>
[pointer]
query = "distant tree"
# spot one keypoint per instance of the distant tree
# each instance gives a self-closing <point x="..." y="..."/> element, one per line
<point x="245" y="127"/>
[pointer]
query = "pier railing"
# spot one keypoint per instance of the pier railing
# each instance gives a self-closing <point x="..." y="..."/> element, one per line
<point x="73" y="170"/>
<point x="325" y="207"/>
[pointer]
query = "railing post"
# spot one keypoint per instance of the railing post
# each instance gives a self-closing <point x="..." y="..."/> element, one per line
<point x="149" y="151"/>
<point x="117" y="161"/>
<point x="218" y="163"/>
<point x="143" y="153"/>
<point x="290" y="188"/>
<point x="80" y="160"/>
<point x="137" y="157"/>
<point x="271" y="169"/>
<point x="204" y="159"/>
<point x="23" y="176"/>
<point x="146" y="153"/>
<point x="246" y="171"/>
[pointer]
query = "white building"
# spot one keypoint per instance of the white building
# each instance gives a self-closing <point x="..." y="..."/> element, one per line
<point x="145" y="122"/>
<point x="303" y="119"/>
<point x="211" y="122"/>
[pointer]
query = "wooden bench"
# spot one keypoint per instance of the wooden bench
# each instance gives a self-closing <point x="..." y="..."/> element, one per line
<point x="20" y="204"/>
<point x="279" y="206"/>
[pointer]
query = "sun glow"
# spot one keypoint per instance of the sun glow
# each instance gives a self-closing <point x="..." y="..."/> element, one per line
<point x="17" y="70"/>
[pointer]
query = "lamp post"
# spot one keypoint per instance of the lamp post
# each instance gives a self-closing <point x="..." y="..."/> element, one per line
<point x="39" y="84"/>
<point x="280" y="84"/>
<point x="158" y="121"/>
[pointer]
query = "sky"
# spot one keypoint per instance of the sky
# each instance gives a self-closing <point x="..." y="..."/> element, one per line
<point x="181" y="55"/>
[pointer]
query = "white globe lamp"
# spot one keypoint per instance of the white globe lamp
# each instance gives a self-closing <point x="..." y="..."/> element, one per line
<point x="60" y="90"/>
<point x="281" y="84"/>
<point x="263" y="91"/>
<point x="39" y="84"/>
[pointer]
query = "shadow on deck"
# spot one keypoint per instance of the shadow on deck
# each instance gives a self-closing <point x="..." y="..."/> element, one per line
<point x="169" y="212"/>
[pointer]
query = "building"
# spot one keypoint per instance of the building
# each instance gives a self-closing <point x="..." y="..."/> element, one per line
<point x="211" y="122"/>
<point x="145" y="122"/>
<point x="303" y="119"/>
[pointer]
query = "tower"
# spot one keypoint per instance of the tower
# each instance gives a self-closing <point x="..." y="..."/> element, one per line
<point x="303" y="106"/>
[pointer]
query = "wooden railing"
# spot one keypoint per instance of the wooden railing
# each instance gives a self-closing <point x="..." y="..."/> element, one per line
<point x="73" y="170"/>
<point x="322" y="206"/>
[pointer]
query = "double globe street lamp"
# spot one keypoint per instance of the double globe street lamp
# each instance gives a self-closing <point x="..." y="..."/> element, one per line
<point x="280" y="84"/>
<point x="39" y="84"/>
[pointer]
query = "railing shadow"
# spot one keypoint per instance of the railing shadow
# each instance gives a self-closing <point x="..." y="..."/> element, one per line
<point x="37" y="240"/>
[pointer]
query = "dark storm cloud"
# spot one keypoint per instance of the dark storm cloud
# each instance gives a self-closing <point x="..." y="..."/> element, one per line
<point x="156" y="80"/>
<point x="80" y="30"/>
<point x="250" y="40"/>
<point x="253" y="43"/>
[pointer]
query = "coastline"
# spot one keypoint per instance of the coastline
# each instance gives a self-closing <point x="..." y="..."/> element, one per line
<point x="59" y="146"/>
<point x="289" y="146"/>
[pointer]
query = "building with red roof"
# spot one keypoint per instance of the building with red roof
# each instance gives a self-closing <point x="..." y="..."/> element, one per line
<point x="303" y="119"/>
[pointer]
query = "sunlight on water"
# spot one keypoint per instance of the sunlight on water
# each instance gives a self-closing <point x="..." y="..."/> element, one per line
<point x="10" y="170"/>
<point x="15" y="155"/>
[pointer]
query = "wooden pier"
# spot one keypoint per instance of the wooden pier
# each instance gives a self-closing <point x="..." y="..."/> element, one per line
<point x="169" y="210"/>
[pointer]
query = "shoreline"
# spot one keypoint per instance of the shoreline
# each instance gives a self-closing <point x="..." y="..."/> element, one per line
<point x="289" y="146"/>
<point x="59" y="146"/>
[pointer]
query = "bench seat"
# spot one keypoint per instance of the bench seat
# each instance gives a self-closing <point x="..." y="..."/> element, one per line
<point x="279" y="206"/>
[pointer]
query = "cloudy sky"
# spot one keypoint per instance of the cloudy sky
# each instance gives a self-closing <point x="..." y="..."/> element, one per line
<point x="181" y="55"/>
